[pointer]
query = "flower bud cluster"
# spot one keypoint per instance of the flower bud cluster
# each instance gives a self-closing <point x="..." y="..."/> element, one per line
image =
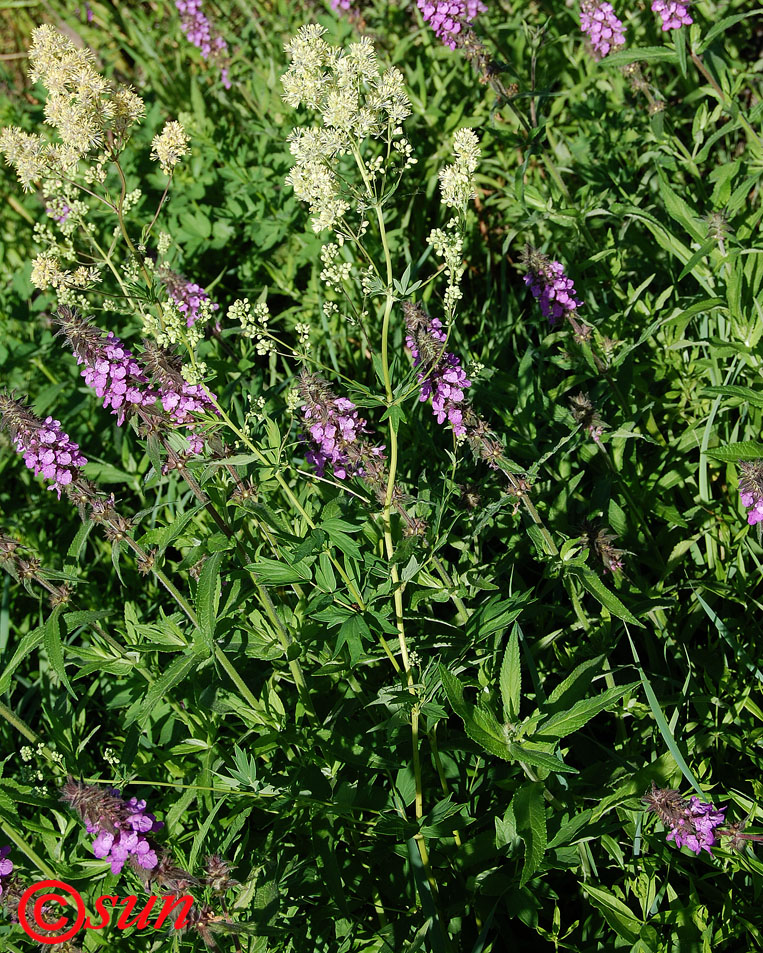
<point x="457" y="180"/>
<point x="448" y="244"/>
<point x="169" y="146"/>
<point x="355" y="102"/>
<point x="89" y="112"/>
<point x="254" y="323"/>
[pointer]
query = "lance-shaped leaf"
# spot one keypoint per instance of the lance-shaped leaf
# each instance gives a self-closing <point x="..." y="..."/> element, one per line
<point x="479" y="724"/>
<point x="530" y="813"/>
<point x="511" y="677"/>
<point x="605" y="596"/>
<point x="539" y="758"/>
<point x="563" y="723"/>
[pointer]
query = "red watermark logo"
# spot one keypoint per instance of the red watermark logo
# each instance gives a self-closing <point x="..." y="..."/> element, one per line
<point x="34" y="918"/>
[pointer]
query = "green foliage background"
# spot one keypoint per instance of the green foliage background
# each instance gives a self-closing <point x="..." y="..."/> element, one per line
<point x="549" y="693"/>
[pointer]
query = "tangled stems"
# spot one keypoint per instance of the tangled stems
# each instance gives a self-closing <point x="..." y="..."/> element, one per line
<point x="387" y="526"/>
<point x="283" y="635"/>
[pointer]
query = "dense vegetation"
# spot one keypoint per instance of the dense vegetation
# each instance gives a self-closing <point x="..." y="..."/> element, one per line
<point x="396" y="373"/>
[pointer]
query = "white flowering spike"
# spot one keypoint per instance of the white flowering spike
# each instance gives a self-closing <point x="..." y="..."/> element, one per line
<point x="169" y="146"/>
<point x="457" y="180"/>
<point x="355" y="103"/>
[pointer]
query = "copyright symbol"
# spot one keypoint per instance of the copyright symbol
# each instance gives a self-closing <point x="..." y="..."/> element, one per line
<point x="39" y="923"/>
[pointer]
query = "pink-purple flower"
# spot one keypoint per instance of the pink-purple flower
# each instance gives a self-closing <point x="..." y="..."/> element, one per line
<point x="551" y="287"/>
<point x="604" y="30"/>
<point x="199" y="30"/>
<point x="440" y="373"/>
<point x="696" y="829"/>
<point x="449" y="18"/>
<point x="187" y="296"/>
<point x="127" y="384"/>
<point x="6" y="866"/>
<point x="121" y="827"/>
<point x="691" y="823"/>
<point x="335" y="432"/>
<point x="751" y="489"/>
<point x="674" y="13"/>
<point x="46" y="448"/>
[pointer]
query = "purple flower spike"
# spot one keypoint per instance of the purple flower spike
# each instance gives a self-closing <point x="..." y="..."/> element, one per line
<point x="448" y="18"/>
<point x="751" y="490"/>
<point x="554" y="291"/>
<point x="674" y="13"/>
<point x="121" y="827"/>
<point x="6" y="866"/>
<point x="199" y="31"/>
<point x="187" y="295"/>
<point x="335" y="432"/>
<point x="603" y="28"/>
<point x="692" y="823"/>
<point x="109" y="367"/>
<point x="47" y="450"/>
<point x="441" y="376"/>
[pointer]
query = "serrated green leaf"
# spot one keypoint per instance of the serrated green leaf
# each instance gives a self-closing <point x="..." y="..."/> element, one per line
<point x="723" y="25"/>
<point x="754" y="397"/>
<point x="538" y="758"/>
<point x="208" y="599"/>
<point x="593" y="584"/>
<point x="180" y="669"/>
<point x="272" y="572"/>
<point x="54" y="648"/>
<point x="621" y="918"/>
<point x="29" y="643"/>
<point x="530" y="813"/>
<point x="511" y="677"/>
<point x="564" y="723"/>
<point x="745" y="450"/>
<point x="480" y="727"/>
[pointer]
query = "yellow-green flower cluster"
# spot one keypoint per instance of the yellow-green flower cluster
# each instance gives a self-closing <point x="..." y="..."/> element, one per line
<point x="169" y="146"/>
<point x="254" y="323"/>
<point x="447" y="244"/>
<point x="89" y="112"/>
<point x="457" y="180"/>
<point x="48" y="273"/>
<point x="354" y="102"/>
<point x="335" y="272"/>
